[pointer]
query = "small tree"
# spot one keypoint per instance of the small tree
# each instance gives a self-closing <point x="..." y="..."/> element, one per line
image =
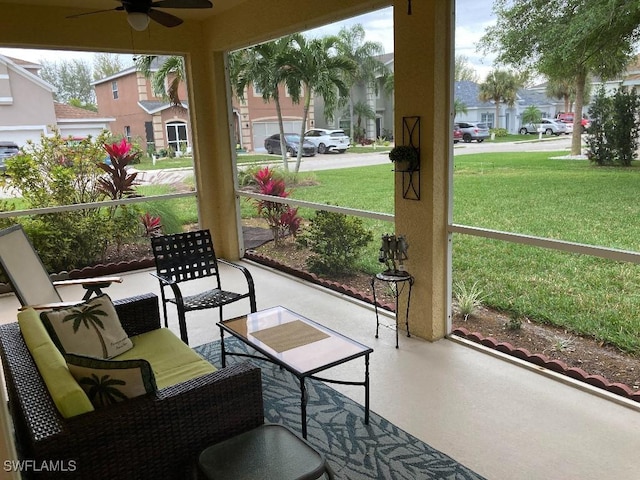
<point x="613" y="135"/>
<point x="336" y="240"/>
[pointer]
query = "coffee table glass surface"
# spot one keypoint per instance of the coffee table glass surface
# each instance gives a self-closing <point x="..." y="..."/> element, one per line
<point x="293" y="340"/>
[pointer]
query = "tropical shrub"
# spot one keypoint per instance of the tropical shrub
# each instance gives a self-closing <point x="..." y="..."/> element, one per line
<point x="613" y="134"/>
<point x="336" y="241"/>
<point x="61" y="172"/>
<point x="281" y="218"/>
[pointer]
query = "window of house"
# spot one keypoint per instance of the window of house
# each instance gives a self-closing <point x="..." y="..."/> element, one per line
<point x="114" y="89"/>
<point x="488" y="118"/>
<point x="257" y="91"/>
<point x="177" y="136"/>
<point x="127" y="133"/>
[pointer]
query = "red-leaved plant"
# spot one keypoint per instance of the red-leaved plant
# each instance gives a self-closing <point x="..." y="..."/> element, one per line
<point x="281" y="218"/>
<point x="152" y="225"/>
<point x="119" y="181"/>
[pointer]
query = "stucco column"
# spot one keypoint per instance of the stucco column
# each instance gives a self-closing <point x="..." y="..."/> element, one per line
<point x="212" y="132"/>
<point x="423" y="61"/>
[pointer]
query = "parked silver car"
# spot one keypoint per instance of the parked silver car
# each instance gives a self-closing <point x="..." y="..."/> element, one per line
<point x="328" y="140"/>
<point x="477" y="131"/>
<point x="548" y="126"/>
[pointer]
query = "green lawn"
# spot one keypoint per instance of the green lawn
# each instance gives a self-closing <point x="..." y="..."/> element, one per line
<point x="530" y="194"/>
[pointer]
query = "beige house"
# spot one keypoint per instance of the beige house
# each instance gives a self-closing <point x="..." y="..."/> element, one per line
<point x="27" y="108"/>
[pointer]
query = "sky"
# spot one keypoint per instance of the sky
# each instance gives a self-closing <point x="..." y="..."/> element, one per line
<point x="472" y="17"/>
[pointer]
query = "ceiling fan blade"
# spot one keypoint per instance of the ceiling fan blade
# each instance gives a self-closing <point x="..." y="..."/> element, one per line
<point x="165" y="19"/>
<point x="182" y="4"/>
<point x="95" y="11"/>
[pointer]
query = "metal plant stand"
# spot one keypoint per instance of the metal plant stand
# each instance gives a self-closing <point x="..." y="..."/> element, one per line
<point x="402" y="279"/>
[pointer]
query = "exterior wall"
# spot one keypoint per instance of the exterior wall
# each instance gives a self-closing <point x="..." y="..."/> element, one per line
<point x="125" y="108"/>
<point x="26" y="106"/>
<point x="257" y="117"/>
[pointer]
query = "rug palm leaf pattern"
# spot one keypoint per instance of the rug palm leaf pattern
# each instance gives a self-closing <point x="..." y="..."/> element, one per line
<point x="336" y="428"/>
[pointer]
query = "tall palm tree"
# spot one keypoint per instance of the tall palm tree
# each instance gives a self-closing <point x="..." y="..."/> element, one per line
<point x="166" y="80"/>
<point x="312" y="67"/>
<point x="501" y="86"/>
<point x="259" y="66"/>
<point x="368" y="69"/>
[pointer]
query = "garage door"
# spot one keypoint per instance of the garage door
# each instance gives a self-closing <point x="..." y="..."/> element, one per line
<point x="262" y="130"/>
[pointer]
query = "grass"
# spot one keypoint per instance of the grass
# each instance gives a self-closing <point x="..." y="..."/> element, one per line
<point x="530" y="194"/>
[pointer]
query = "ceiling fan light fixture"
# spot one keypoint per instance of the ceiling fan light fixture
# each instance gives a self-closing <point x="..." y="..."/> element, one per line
<point x="139" y="21"/>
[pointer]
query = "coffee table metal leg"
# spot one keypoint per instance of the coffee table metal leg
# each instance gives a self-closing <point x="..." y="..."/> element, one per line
<point x="222" y="352"/>
<point x="303" y="407"/>
<point x="366" y="389"/>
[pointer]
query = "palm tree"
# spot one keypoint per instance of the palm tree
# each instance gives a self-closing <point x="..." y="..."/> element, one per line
<point x="89" y="316"/>
<point x="351" y="45"/>
<point x="501" y="86"/>
<point x="103" y="390"/>
<point x="361" y="110"/>
<point x="167" y="79"/>
<point x="311" y="67"/>
<point x="531" y="114"/>
<point x="259" y="66"/>
<point x="459" y="107"/>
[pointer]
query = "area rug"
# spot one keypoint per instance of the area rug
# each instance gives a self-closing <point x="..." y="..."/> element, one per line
<point x="336" y="428"/>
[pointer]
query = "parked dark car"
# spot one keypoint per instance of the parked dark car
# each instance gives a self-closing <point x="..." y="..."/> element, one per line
<point x="473" y="131"/>
<point x="7" y="150"/>
<point x="272" y="145"/>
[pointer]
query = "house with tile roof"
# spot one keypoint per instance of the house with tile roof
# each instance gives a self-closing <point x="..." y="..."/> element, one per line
<point x="28" y="110"/>
<point x="156" y="124"/>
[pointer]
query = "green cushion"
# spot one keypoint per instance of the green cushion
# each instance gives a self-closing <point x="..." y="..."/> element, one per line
<point x="172" y="360"/>
<point x="110" y="381"/>
<point x="91" y="328"/>
<point x="67" y="395"/>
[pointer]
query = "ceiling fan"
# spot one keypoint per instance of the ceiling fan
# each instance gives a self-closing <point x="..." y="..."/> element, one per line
<point x="139" y="12"/>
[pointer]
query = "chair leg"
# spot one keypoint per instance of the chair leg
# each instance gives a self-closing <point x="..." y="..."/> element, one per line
<point x="164" y="307"/>
<point x="182" y="322"/>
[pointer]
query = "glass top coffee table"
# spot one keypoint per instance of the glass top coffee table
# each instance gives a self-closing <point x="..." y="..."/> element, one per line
<point x="299" y="345"/>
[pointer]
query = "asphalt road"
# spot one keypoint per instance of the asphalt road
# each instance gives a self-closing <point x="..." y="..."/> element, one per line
<point x="347" y="160"/>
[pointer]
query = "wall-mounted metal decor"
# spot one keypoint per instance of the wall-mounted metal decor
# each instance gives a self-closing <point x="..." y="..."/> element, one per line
<point x="411" y="176"/>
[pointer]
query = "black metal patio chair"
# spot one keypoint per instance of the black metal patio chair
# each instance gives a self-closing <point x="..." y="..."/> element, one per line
<point x="185" y="257"/>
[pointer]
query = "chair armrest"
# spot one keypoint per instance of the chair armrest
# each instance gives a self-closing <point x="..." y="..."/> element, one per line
<point x="138" y="314"/>
<point x="247" y="276"/>
<point x="102" y="281"/>
<point x="164" y="280"/>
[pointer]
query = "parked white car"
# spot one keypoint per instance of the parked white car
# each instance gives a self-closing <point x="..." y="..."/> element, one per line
<point x="548" y="126"/>
<point x="328" y="140"/>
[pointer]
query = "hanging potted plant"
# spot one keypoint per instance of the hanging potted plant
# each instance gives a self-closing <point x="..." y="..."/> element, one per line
<point x="406" y="157"/>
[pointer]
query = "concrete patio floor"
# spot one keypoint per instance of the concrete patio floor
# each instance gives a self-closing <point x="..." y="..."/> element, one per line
<point x="500" y="418"/>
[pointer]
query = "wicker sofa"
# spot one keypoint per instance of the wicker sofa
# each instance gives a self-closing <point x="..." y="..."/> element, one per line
<point x="157" y="436"/>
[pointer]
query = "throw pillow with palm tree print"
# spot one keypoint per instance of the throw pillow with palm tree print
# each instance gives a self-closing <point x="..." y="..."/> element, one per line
<point x="91" y="328"/>
<point x="110" y="381"/>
